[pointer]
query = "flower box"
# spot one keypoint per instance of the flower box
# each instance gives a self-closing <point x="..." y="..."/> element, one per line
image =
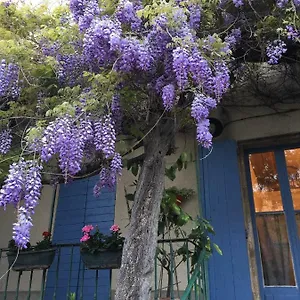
<point x="31" y="260"/>
<point x="103" y="259"/>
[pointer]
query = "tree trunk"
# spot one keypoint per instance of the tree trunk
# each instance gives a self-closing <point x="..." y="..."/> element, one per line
<point x="135" y="276"/>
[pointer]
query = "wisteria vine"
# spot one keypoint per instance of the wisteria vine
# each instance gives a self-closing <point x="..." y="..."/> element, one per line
<point x="165" y="55"/>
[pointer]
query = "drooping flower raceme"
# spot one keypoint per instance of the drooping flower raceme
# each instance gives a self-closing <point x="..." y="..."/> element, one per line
<point x="9" y="80"/>
<point x="126" y="14"/>
<point x="108" y="175"/>
<point x="204" y="137"/>
<point x="84" y="12"/>
<point x="21" y="229"/>
<point x="23" y="183"/>
<point x="221" y="79"/>
<point x="168" y="96"/>
<point x="67" y="138"/>
<point x="12" y="191"/>
<point x="195" y="16"/>
<point x="238" y="3"/>
<point x="275" y="50"/>
<point x="180" y="66"/>
<point x="292" y="33"/>
<point x="105" y="136"/>
<point x="281" y="3"/>
<point x="5" y="141"/>
<point x="233" y="38"/>
<point x="297" y="3"/>
<point x="200" y="109"/>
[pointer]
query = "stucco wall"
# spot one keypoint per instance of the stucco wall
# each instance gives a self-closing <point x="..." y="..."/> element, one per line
<point x="41" y="222"/>
<point x="246" y="124"/>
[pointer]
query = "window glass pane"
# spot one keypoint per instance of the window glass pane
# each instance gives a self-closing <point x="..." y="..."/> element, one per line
<point x="265" y="183"/>
<point x="275" y="252"/>
<point x="274" y="243"/>
<point x="292" y="159"/>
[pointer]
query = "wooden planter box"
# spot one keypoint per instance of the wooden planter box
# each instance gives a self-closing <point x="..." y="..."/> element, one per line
<point x="105" y="259"/>
<point x="31" y="260"/>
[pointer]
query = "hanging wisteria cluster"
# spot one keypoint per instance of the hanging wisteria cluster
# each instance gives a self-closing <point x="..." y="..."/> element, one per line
<point x="22" y="189"/>
<point x="166" y="57"/>
<point x="9" y="80"/>
<point x="5" y="141"/>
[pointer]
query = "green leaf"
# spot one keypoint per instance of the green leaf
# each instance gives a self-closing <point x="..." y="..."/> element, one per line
<point x="218" y="249"/>
<point x="184" y="157"/>
<point x="171" y="172"/>
<point x="135" y="169"/>
<point x="179" y="163"/>
<point x="129" y="197"/>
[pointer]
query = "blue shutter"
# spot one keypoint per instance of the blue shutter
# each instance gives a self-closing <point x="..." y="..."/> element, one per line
<point x="77" y="207"/>
<point x="229" y="275"/>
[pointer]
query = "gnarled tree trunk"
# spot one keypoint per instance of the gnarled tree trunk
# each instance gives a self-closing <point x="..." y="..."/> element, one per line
<point x="135" y="277"/>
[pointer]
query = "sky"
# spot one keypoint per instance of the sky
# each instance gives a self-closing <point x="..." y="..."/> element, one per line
<point x="51" y="3"/>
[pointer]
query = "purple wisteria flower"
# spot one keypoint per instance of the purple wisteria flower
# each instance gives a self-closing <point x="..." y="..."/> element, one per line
<point x="105" y="136"/>
<point x="233" y="38"/>
<point x="204" y="137"/>
<point x="21" y="229"/>
<point x="23" y="183"/>
<point x="67" y="138"/>
<point x="5" y="141"/>
<point x="221" y="79"/>
<point x="84" y="11"/>
<point x="9" y="80"/>
<point x="281" y="3"/>
<point x="238" y="3"/>
<point x="181" y="66"/>
<point x="292" y="33"/>
<point x="108" y="175"/>
<point x="168" y="96"/>
<point x="275" y="50"/>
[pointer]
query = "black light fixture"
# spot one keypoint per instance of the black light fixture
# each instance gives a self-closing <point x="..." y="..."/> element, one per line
<point x="216" y="127"/>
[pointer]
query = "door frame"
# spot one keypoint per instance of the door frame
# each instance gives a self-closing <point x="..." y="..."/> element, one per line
<point x="244" y="147"/>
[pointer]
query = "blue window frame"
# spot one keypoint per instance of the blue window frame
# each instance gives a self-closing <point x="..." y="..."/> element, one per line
<point x="271" y="177"/>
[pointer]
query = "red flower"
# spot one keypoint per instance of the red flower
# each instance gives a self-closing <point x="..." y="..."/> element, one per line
<point x="46" y="234"/>
<point x="179" y="197"/>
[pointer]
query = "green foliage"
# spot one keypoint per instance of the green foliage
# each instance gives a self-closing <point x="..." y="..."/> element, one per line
<point x="172" y="215"/>
<point x="180" y="163"/>
<point x="71" y="296"/>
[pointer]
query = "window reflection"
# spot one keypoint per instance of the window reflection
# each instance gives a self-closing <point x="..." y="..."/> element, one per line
<point x="292" y="158"/>
<point x="265" y="182"/>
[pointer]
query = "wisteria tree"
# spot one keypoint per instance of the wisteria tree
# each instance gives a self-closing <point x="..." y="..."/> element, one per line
<point x="77" y="81"/>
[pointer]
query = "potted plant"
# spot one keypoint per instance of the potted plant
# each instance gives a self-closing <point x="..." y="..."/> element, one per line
<point x="100" y="251"/>
<point x="38" y="257"/>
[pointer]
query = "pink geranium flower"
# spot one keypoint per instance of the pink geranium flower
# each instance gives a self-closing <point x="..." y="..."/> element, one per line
<point x="115" y="228"/>
<point x="85" y="238"/>
<point x="87" y="228"/>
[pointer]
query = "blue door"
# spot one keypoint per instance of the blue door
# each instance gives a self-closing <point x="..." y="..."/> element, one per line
<point x="229" y="274"/>
<point x="274" y="189"/>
